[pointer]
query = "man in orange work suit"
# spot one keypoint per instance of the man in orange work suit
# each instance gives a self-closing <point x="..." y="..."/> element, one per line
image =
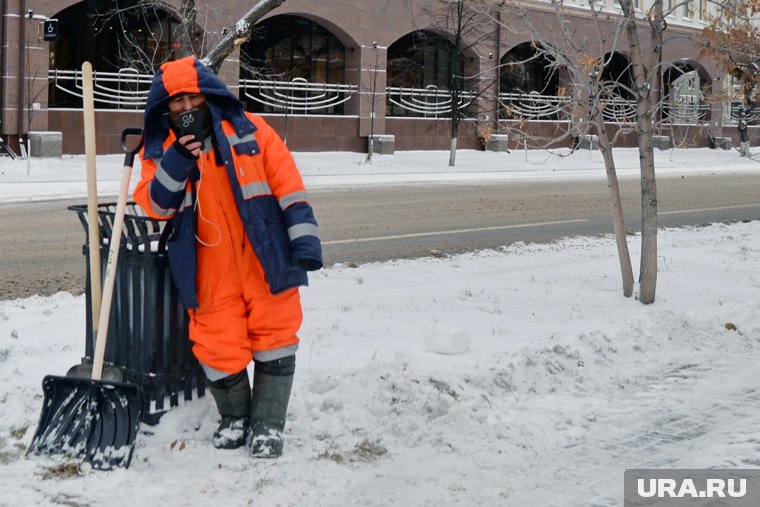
<point x="244" y="236"/>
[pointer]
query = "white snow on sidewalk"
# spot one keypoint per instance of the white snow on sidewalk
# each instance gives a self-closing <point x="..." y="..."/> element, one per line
<point x="47" y="178"/>
<point x="565" y="384"/>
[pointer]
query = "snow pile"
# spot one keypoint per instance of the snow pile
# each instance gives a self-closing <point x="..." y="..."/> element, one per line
<point x="513" y="377"/>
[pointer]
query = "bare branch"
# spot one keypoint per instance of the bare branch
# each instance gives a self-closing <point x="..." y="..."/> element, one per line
<point x="239" y="34"/>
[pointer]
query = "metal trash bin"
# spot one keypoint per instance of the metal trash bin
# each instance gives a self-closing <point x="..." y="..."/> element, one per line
<point x="147" y="332"/>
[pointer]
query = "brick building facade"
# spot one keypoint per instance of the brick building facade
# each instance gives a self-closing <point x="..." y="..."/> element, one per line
<point x="383" y="68"/>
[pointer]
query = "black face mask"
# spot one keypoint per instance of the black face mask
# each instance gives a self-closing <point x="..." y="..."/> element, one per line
<point x="205" y="120"/>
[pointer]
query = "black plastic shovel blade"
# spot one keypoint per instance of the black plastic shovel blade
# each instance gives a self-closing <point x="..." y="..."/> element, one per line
<point x="90" y="420"/>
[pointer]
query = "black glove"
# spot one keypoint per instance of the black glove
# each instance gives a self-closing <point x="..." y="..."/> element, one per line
<point x="184" y="152"/>
<point x="310" y="264"/>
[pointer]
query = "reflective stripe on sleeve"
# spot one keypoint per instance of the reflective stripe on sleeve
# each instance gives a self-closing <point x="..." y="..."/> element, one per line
<point x="187" y="201"/>
<point x="255" y="188"/>
<point x="287" y="200"/>
<point x="300" y="230"/>
<point x="167" y="181"/>
<point x="156" y="208"/>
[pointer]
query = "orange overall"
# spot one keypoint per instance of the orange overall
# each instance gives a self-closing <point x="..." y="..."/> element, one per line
<point x="237" y="315"/>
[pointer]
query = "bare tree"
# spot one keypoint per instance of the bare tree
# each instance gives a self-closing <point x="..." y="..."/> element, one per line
<point x="646" y="71"/>
<point x="595" y="91"/>
<point x="582" y="100"/>
<point x="146" y="50"/>
<point x="373" y="95"/>
<point x="190" y="37"/>
<point x="605" y="145"/>
<point x="144" y="29"/>
<point x="239" y="34"/>
<point x="33" y="92"/>
<point x="465" y="22"/>
<point x="456" y="17"/>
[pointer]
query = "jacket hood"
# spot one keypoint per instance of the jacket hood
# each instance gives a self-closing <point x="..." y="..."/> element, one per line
<point x="186" y="75"/>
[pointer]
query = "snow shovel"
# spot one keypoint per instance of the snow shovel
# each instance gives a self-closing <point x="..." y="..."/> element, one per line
<point x="88" y="101"/>
<point x="94" y="420"/>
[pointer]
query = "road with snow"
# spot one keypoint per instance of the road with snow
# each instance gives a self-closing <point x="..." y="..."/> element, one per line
<point x="41" y="247"/>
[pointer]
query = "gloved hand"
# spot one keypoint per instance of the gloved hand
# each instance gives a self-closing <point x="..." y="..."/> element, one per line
<point x="179" y="159"/>
<point x="188" y="147"/>
<point x="309" y="264"/>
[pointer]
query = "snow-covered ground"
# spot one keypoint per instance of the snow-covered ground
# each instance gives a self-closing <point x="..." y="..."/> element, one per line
<point x="512" y="377"/>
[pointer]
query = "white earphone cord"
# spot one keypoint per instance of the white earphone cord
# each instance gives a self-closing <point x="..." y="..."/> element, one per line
<point x="200" y="212"/>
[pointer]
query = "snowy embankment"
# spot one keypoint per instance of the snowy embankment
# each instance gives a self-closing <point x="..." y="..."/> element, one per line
<point x="512" y="377"/>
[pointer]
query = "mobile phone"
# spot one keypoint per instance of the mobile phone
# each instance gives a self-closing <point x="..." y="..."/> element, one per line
<point x="190" y="124"/>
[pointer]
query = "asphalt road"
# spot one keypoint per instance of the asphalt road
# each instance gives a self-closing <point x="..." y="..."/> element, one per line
<point x="41" y="247"/>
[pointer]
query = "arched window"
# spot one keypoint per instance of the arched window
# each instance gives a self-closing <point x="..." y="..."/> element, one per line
<point x="526" y="70"/>
<point x="422" y="60"/>
<point x="136" y="36"/>
<point x="287" y="48"/>
<point x="615" y="93"/>
<point x="617" y="76"/>
<point x="528" y="85"/>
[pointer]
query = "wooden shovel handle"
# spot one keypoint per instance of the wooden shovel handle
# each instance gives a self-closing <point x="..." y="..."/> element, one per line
<point x="93" y="229"/>
<point x="113" y="255"/>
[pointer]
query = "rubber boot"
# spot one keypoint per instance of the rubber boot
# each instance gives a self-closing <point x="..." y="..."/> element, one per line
<point x="233" y="400"/>
<point x="272" y="382"/>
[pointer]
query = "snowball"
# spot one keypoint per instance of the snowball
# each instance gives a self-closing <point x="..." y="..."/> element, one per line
<point x="447" y="341"/>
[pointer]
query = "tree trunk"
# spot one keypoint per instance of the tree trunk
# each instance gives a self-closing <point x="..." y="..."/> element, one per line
<point x="644" y="74"/>
<point x="239" y="34"/>
<point x="453" y="152"/>
<point x="648" y="273"/>
<point x="624" y="256"/>
<point x="455" y="81"/>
